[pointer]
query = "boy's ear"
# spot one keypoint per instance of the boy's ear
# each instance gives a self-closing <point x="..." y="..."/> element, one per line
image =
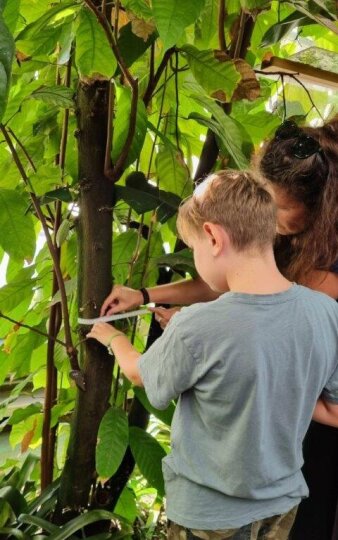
<point x="217" y="237"/>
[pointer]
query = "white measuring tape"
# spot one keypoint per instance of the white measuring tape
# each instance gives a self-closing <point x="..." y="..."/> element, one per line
<point x="108" y="318"/>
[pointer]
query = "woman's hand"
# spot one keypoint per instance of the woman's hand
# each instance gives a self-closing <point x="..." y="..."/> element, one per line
<point x="104" y="333"/>
<point x="163" y="315"/>
<point x="121" y="299"/>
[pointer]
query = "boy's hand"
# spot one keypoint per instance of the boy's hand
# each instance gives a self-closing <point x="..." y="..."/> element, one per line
<point x="163" y="315"/>
<point x="103" y="332"/>
<point x="121" y="299"/>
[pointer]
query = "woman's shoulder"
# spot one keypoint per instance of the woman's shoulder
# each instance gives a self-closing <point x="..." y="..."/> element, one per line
<point x="334" y="267"/>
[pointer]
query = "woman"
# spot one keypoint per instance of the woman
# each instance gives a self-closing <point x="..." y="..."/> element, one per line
<point x="301" y="165"/>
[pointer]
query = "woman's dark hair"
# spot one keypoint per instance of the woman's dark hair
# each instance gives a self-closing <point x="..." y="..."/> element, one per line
<point x="312" y="180"/>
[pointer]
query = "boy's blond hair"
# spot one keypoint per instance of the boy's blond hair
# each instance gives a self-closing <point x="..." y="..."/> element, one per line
<point x="236" y="200"/>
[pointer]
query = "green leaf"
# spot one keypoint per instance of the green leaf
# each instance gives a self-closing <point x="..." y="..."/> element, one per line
<point x="62" y="232"/>
<point x="121" y="127"/>
<point x="315" y="15"/>
<point x="225" y="128"/>
<point x="21" y="414"/>
<point x="139" y="7"/>
<point x="124" y="250"/>
<point x="6" y="59"/>
<point x="42" y="35"/>
<point x="60" y="96"/>
<point x="143" y="197"/>
<point x="17" y="235"/>
<point x="56" y="15"/>
<point x="14" y="293"/>
<point x="277" y="31"/>
<point x="38" y="522"/>
<point x="131" y="46"/>
<point x="126" y="505"/>
<point x="173" y="174"/>
<point x="112" y="442"/>
<point x="13" y="497"/>
<point x="11" y="14"/>
<point x="9" y="532"/>
<point x="209" y="24"/>
<point x="60" y="194"/>
<point x="181" y="261"/>
<point x="93" y="55"/>
<point x="81" y="521"/>
<point x="148" y="454"/>
<point x="255" y="4"/>
<point x="173" y="16"/>
<point x="218" y="78"/>
<point x="165" y="415"/>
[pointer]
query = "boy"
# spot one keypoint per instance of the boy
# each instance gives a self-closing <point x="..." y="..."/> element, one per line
<point x="247" y="368"/>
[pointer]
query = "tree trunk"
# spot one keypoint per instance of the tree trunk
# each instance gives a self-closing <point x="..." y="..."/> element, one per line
<point x="94" y="284"/>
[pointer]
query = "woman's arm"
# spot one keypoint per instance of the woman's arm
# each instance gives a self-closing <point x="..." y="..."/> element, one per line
<point x="126" y="355"/>
<point x="322" y="281"/>
<point x="181" y="292"/>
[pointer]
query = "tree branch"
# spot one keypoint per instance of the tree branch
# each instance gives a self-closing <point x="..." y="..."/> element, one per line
<point x="71" y="351"/>
<point x="153" y="81"/>
<point x="18" y="323"/>
<point x="115" y="173"/>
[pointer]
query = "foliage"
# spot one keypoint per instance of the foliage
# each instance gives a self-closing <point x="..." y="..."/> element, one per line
<point x="171" y="75"/>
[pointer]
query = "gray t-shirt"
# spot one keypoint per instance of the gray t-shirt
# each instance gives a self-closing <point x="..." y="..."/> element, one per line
<point x="247" y="371"/>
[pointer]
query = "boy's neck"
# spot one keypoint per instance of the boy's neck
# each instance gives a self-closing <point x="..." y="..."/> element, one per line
<point x="259" y="274"/>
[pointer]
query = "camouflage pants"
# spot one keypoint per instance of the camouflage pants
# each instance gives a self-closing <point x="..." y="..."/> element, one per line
<point x="273" y="528"/>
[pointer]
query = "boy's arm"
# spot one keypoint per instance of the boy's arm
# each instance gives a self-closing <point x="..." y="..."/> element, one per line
<point x="126" y="355"/>
<point x="326" y="412"/>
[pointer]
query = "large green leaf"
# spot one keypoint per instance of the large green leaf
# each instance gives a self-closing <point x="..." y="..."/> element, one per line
<point x="6" y="59"/>
<point x="42" y="35"/>
<point x="17" y="235"/>
<point x="173" y="16"/>
<point x="148" y="454"/>
<point x="219" y="78"/>
<point x="181" y="261"/>
<point x="60" y="96"/>
<point x="13" y="497"/>
<point x="17" y="291"/>
<point x="126" y="505"/>
<point x="93" y="55"/>
<point x="312" y="10"/>
<point x="143" y="197"/>
<point x="11" y="14"/>
<point x="165" y="415"/>
<point x="79" y="522"/>
<point x="131" y="46"/>
<point x="276" y="32"/>
<point x="112" y="442"/>
<point x="139" y="7"/>
<point x="124" y="251"/>
<point x="173" y="173"/>
<point x="121" y="126"/>
<point x="208" y="24"/>
<point x="226" y="129"/>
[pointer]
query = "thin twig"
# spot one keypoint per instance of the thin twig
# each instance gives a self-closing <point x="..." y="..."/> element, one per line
<point x="293" y="76"/>
<point x="155" y="79"/>
<point x="221" y="20"/>
<point x="177" y="104"/>
<point x="18" y="323"/>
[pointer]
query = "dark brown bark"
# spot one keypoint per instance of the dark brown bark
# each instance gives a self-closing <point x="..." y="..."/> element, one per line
<point x="94" y="284"/>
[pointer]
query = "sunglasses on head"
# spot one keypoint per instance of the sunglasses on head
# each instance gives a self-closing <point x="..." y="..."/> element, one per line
<point x="304" y="147"/>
